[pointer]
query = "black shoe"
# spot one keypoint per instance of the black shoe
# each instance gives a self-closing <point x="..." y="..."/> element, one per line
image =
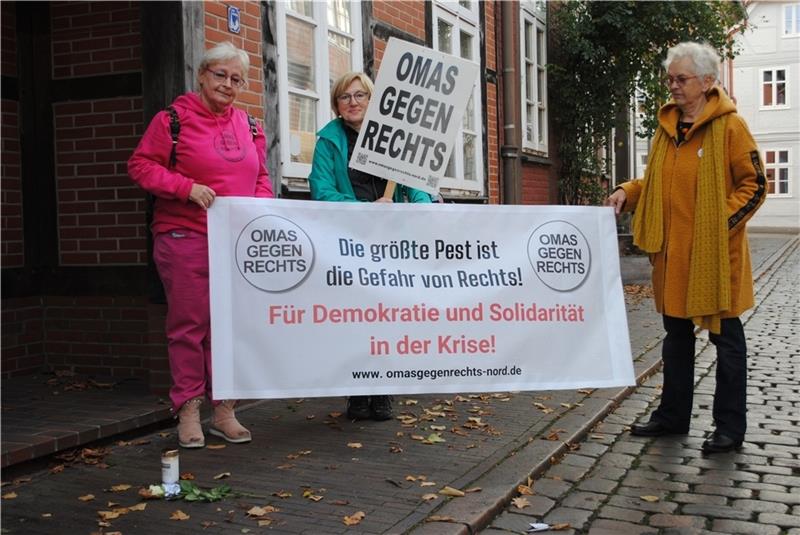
<point x="652" y="429"/>
<point x="358" y="408"/>
<point x="719" y="443"/>
<point x="381" y="407"/>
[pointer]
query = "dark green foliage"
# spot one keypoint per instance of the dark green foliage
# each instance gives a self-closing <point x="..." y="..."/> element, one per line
<point x="600" y="54"/>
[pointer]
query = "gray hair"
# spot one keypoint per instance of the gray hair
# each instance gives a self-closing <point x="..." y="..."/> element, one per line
<point x="222" y="53"/>
<point x="705" y="58"/>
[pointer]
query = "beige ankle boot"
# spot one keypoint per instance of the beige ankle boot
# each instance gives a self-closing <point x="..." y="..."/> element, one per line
<point x="190" y="432"/>
<point x="225" y="425"/>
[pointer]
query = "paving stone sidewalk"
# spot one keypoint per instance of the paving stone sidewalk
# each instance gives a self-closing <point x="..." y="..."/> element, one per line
<point x="613" y="483"/>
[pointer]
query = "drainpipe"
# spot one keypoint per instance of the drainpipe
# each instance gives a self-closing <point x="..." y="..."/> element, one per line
<point x="509" y="152"/>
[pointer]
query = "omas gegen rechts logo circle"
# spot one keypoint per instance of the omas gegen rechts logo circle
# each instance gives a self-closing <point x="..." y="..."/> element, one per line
<point x="560" y="255"/>
<point x="274" y="254"/>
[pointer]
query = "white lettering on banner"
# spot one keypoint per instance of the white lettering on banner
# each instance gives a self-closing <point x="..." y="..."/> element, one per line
<point x="325" y="299"/>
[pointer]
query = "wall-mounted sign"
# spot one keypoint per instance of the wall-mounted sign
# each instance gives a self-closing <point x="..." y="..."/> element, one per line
<point x="234" y="20"/>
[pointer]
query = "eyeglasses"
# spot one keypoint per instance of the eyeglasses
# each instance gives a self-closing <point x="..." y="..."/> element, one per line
<point x="221" y="76"/>
<point x="680" y="79"/>
<point x="358" y="96"/>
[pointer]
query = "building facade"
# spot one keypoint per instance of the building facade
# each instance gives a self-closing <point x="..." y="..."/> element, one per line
<point x="81" y="80"/>
<point x="764" y="79"/>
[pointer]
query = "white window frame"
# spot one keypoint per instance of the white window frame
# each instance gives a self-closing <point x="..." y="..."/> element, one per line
<point x="776" y="166"/>
<point x="321" y="91"/>
<point x="533" y="14"/>
<point x="795" y="19"/>
<point x="464" y="20"/>
<point x="774" y="83"/>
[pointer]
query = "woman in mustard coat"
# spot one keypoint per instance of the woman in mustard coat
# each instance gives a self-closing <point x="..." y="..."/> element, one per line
<point x="704" y="181"/>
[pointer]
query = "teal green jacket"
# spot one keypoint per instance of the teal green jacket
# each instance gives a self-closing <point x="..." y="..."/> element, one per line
<point x="329" y="180"/>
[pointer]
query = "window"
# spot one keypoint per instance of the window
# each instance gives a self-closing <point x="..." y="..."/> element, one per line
<point x="773" y="88"/>
<point x="776" y="166"/>
<point x="455" y="32"/>
<point x="317" y="43"/>
<point x="791" y="20"/>
<point x="534" y="76"/>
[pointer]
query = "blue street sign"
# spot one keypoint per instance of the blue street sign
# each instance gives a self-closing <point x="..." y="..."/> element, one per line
<point x="234" y="21"/>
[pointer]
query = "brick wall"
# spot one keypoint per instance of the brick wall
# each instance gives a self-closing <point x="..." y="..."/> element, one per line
<point x="100" y="211"/>
<point x="403" y="15"/>
<point x="11" y="245"/>
<point x="492" y="104"/>
<point x="251" y="98"/>
<point x="93" y="38"/>
<point x="22" y="336"/>
<point x="536" y="185"/>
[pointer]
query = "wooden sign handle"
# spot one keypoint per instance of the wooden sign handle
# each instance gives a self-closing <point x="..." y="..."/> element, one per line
<point x="388" y="193"/>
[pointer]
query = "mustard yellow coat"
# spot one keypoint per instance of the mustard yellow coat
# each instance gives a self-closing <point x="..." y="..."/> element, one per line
<point x="745" y="186"/>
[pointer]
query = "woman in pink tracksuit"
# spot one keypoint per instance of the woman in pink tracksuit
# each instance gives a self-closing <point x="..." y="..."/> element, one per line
<point x="218" y="153"/>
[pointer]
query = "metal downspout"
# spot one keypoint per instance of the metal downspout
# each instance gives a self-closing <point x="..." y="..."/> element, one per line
<point x="509" y="152"/>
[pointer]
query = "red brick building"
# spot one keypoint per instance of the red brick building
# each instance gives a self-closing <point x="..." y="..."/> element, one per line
<point x="81" y="80"/>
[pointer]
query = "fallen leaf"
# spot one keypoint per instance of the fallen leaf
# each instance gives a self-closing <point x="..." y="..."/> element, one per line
<point x="354" y="445"/>
<point x="450" y="491"/>
<point x="417" y="437"/>
<point x="164" y="434"/>
<point x="256" y="512"/>
<point x="215" y="446"/>
<point x="179" y="515"/>
<point x="264" y="522"/>
<point x="553" y="436"/>
<point x="57" y="469"/>
<point x="20" y="480"/>
<point x="354" y="519"/>
<point x="525" y="490"/>
<point x="473" y="489"/>
<point x="438" y="427"/>
<point x="282" y="494"/>
<point x="9" y="495"/>
<point x="440" y="518"/>
<point x="187" y="476"/>
<point x="334" y="414"/>
<point x="86" y="497"/>
<point x="340" y="502"/>
<point x="521" y="503"/>
<point x="428" y="484"/>
<point x="434" y="438"/>
<point x="560" y="527"/>
<point x="120" y="488"/>
<point x="650" y="498"/>
<point x="430" y="496"/>
<point x="222" y="475"/>
<point x="47" y="515"/>
<point x="395" y="449"/>
<point x="108" y="515"/>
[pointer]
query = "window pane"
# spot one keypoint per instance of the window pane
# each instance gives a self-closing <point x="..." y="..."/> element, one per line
<point x="339" y="55"/>
<point x="530" y="82"/>
<point x="302" y="7"/>
<point x="540" y="47"/>
<point x="767" y="76"/>
<point x="770" y="156"/>
<point x="300" y="53"/>
<point x="530" y="133"/>
<point x="465" y="3"/>
<point x="780" y="75"/>
<point x="783" y="156"/>
<point x="766" y="94"/>
<point x="451" y="166"/>
<point x="542" y="133"/>
<point x="466" y="45"/>
<point x="783" y="187"/>
<point x="302" y="127"/>
<point x="540" y="87"/>
<point x="528" y="40"/>
<point x="770" y="180"/>
<point x="780" y="98"/>
<point x="787" y="19"/>
<point x="469" y="157"/>
<point x="339" y="14"/>
<point x="445" y="37"/>
<point x="469" y="114"/>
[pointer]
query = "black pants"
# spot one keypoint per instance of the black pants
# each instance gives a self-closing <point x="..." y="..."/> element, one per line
<point x="730" y="396"/>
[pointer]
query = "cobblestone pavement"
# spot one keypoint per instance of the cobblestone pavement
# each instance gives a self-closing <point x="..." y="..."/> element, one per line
<point x="614" y="483"/>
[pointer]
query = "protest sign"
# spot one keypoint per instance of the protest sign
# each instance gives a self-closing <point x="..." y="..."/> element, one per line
<point x="410" y="127"/>
<point x="321" y="299"/>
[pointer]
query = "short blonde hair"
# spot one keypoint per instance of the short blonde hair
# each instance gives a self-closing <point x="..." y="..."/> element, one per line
<point x="222" y="53"/>
<point x="343" y="82"/>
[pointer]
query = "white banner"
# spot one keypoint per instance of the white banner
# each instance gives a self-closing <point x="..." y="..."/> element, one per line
<point x="322" y="299"/>
<point x="410" y="126"/>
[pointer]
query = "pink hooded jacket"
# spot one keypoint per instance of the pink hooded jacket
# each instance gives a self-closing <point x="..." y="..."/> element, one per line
<point x="214" y="150"/>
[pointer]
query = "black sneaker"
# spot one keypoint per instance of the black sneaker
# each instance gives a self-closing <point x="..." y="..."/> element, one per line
<point x="358" y="408"/>
<point x="381" y="407"/>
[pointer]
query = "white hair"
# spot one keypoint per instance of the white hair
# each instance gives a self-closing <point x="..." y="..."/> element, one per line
<point x="705" y="58"/>
<point x="222" y="53"/>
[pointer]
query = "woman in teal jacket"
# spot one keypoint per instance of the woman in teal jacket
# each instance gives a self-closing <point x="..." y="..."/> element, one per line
<point x="332" y="180"/>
